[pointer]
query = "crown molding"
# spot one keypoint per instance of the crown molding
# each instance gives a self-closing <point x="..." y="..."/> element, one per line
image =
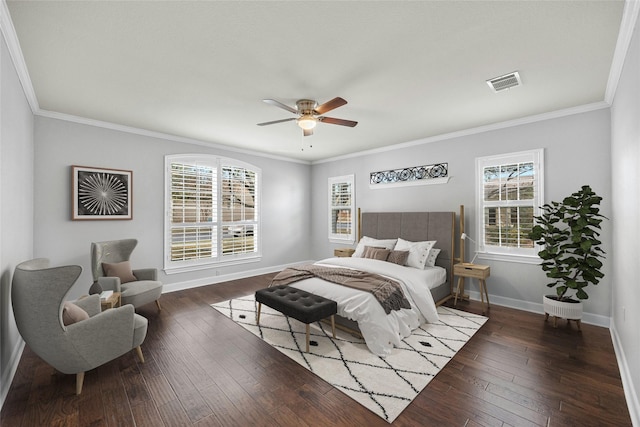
<point x="627" y="25"/>
<point x="160" y="135"/>
<point x="473" y="131"/>
<point x="11" y="38"/>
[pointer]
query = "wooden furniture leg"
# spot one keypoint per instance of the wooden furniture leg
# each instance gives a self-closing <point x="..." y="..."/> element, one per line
<point x="139" y="352"/>
<point x="308" y="337"/>
<point x="258" y="314"/>
<point x="333" y="326"/>
<point x="79" y="381"/>
<point x="484" y="294"/>
<point x="459" y="291"/>
<point x="158" y="304"/>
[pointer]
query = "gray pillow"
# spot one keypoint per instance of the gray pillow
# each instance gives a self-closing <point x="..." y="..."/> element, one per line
<point x="398" y="257"/>
<point x="376" y="253"/>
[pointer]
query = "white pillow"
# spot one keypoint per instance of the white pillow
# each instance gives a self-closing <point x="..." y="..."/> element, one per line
<point x="431" y="258"/>
<point x="369" y="241"/>
<point x="418" y="251"/>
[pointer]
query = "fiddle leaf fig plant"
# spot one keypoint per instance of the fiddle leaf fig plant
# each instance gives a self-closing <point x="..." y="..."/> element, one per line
<point x="569" y="233"/>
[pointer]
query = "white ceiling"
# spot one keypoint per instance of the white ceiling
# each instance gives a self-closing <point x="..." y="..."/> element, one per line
<point x="409" y="70"/>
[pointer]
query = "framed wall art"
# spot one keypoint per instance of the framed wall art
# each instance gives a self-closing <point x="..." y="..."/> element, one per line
<point x="99" y="193"/>
<point x="437" y="173"/>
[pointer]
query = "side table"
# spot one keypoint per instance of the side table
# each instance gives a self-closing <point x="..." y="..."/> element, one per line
<point x="472" y="271"/>
<point x="343" y="252"/>
<point x="111" y="302"/>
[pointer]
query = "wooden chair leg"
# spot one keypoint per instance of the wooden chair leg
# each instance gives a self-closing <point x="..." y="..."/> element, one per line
<point x="79" y="382"/>
<point x="139" y="352"/>
<point x="333" y="326"/>
<point x="258" y="314"/>
<point x="307" y="338"/>
<point x="158" y="304"/>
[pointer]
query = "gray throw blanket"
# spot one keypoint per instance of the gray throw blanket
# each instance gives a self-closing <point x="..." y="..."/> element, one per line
<point x="388" y="292"/>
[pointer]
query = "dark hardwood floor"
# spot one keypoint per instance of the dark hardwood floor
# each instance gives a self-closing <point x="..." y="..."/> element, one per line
<point x="202" y="369"/>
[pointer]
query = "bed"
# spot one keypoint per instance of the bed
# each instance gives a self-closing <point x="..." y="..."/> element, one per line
<point x="359" y="310"/>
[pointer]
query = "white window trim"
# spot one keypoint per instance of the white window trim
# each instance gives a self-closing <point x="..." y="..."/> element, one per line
<point x="342" y="238"/>
<point x="174" y="267"/>
<point x="525" y="256"/>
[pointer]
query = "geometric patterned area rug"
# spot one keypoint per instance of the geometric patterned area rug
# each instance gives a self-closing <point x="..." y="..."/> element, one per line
<point x="383" y="385"/>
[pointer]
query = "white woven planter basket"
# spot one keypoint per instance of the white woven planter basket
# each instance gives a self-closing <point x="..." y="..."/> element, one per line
<point x="563" y="310"/>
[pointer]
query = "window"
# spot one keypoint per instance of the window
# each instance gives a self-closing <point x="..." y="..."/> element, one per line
<point x="509" y="193"/>
<point x="212" y="212"/>
<point x="342" y="209"/>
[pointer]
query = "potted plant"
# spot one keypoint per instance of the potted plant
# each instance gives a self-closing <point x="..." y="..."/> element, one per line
<point x="571" y="253"/>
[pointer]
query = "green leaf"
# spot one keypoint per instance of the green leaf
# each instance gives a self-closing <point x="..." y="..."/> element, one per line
<point x="568" y="232"/>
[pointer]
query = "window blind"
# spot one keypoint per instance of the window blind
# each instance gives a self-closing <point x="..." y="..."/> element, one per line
<point x="193" y="212"/>
<point x="341" y="208"/>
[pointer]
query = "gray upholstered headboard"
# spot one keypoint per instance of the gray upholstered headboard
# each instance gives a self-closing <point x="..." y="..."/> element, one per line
<point x="416" y="227"/>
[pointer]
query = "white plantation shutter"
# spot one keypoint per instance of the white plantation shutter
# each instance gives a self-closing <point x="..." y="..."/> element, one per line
<point x="212" y="211"/>
<point x="239" y="211"/>
<point x="342" y="208"/>
<point x="509" y="196"/>
<point x="193" y="211"/>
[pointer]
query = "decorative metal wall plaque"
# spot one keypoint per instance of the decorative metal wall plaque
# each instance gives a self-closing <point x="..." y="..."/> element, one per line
<point x="101" y="193"/>
<point x="416" y="175"/>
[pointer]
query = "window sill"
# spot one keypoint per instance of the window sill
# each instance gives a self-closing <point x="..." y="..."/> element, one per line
<point x="341" y="241"/>
<point x="212" y="265"/>
<point x="522" y="259"/>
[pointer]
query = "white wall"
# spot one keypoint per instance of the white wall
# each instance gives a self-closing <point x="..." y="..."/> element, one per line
<point x="60" y="144"/>
<point x="16" y="206"/>
<point x="625" y="155"/>
<point x="577" y="152"/>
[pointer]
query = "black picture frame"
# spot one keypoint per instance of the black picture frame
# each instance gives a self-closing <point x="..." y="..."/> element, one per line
<point x="101" y="194"/>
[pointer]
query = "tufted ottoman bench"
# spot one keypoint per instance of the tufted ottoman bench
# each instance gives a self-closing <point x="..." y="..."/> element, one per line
<point x="301" y="305"/>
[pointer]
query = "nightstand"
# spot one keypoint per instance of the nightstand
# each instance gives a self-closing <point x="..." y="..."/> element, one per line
<point x="343" y="252"/>
<point x="111" y="302"/>
<point x="472" y="271"/>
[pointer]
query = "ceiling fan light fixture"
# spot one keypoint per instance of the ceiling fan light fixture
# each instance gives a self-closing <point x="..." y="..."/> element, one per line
<point x="307" y="122"/>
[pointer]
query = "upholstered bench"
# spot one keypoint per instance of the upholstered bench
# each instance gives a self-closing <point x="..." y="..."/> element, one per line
<point x="301" y="305"/>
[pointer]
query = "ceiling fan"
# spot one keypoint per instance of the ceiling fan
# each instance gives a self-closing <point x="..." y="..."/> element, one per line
<point x="310" y="113"/>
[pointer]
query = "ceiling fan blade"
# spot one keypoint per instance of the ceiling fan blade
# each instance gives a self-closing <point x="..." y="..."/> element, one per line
<point x="330" y="105"/>
<point x="307" y="132"/>
<point x="341" y="122"/>
<point x="276" y="121"/>
<point x="280" y="105"/>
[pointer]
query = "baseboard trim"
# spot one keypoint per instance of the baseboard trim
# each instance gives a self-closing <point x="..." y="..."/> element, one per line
<point x="588" y="318"/>
<point x="633" y="404"/>
<point x="212" y="280"/>
<point x="12" y="367"/>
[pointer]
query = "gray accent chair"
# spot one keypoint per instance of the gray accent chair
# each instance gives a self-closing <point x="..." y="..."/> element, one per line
<point x="138" y="293"/>
<point x="38" y="293"/>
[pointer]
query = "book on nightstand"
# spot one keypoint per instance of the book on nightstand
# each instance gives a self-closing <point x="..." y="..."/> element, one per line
<point x="105" y="295"/>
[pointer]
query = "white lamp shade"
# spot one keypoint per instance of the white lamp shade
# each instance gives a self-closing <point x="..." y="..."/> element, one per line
<point x="307" y="122"/>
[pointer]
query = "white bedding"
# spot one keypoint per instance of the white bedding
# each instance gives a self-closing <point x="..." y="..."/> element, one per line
<point x="381" y="331"/>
